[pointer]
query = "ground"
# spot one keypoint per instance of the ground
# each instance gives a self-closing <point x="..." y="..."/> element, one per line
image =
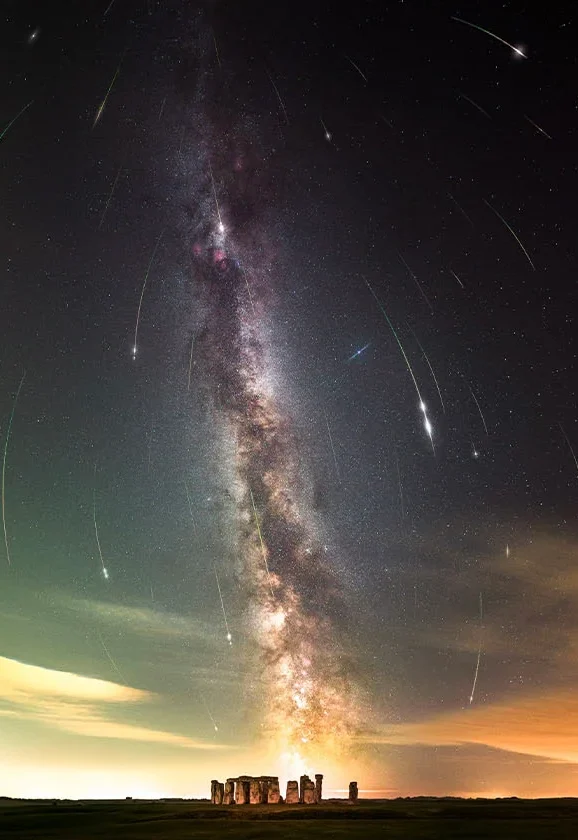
<point x="406" y="819"/>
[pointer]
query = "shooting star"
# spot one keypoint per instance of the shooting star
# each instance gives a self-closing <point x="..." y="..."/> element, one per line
<point x="111" y="660"/>
<point x="427" y="424"/>
<point x="13" y="120"/>
<point x="229" y="637"/>
<point x="363" y="76"/>
<point x="190" y="507"/>
<point x="135" y="345"/>
<point x="431" y="370"/>
<point x="263" y="549"/>
<point x="478" y="407"/>
<point x="104" y="212"/>
<point x="460" y="208"/>
<point x="103" y="567"/>
<point x="479" y="652"/>
<point x="332" y="446"/>
<point x="359" y="352"/>
<point x="475" y="104"/>
<point x="4" y="468"/>
<point x="517" y="50"/>
<point x="162" y="107"/>
<point x="501" y="218"/>
<point x="457" y="278"/>
<point x="416" y="281"/>
<point x="216" y="51"/>
<point x="537" y="127"/>
<point x="221" y="225"/>
<point x="569" y="445"/>
<point x="102" y="105"/>
<point x="327" y="132"/>
<point x="215" y="727"/>
<point x="191" y="363"/>
<point x="278" y="97"/>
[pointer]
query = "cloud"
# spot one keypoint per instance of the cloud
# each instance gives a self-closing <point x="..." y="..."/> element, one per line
<point x="78" y="704"/>
<point x="538" y="725"/>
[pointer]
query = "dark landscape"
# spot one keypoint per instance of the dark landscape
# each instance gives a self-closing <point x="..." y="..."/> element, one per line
<point x="424" y="818"/>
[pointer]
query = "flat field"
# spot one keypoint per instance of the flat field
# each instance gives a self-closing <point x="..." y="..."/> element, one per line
<point x="414" y="819"/>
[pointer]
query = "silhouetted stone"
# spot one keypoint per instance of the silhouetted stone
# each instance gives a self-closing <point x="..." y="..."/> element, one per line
<point x="214" y="784"/>
<point x="219" y="793"/>
<point x="318" y="784"/>
<point x="292" y="797"/>
<point x="353" y="793"/>
<point x="273" y="792"/>
<point x="302" y="781"/>
<point x="242" y="791"/>
<point x="229" y="792"/>
<point x="308" y="792"/>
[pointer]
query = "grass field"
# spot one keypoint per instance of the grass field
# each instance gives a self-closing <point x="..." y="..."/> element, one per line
<point x="422" y="819"/>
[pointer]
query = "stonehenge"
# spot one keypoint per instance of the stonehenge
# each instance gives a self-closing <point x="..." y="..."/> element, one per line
<point x="265" y="790"/>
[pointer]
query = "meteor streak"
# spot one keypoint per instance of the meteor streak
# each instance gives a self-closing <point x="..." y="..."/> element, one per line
<point x="135" y="345"/>
<point x="517" y="50"/>
<point x="475" y="104"/>
<point x="102" y="105"/>
<point x="332" y="446"/>
<point x="221" y="225"/>
<point x="501" y="218"/>
<point x="13" y="120"/>
<point x="569" y="444"/>
<point x="478" y="407"/>
<point x="111" y="660"/>
<point x="229" y="637"/>
<point x="363" y="76"/>
<point x="431" y="371"/>
<point x="263" y="549"/>
<point x="327" y="133"/>
<point x="416" y="281"/>
<point x="457" y="278"/>
<point x="537" y="127"/>
<point x="278" y="97"/>
<point x="427" y="424"/>
<point x="4" y="468"/>
<point x="104" y="212"/>
<point x="359" y="352"/>
<point x="104" y="569"/>
<point x="479" y="652"/>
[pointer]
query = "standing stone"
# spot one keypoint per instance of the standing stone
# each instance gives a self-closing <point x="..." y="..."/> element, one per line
<point x="255" y="792"/>
<point x="302" y="781"/>
<point x="318" y="783"/>
<point x="242" y="792"/>
<point x="214" y="784"/>
<point x="353" y="793"/>
<point x="309" y="792"/>
<point x="292" y="797"/>
<point x="273" y="792"/>
<point x="229" y="792"/>
<point x="219" y="793"/>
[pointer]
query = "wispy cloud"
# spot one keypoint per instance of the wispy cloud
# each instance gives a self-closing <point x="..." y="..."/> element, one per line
<point x="78" y="704"/>
<point x="538" y="725"/>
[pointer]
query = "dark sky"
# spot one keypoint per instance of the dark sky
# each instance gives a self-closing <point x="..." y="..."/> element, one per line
<point x="397" y="193"/>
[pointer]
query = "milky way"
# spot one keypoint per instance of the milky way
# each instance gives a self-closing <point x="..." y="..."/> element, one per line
<point x="306" y="696"/>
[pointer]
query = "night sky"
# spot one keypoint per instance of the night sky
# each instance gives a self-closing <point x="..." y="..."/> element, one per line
<point x="291" y="478"/>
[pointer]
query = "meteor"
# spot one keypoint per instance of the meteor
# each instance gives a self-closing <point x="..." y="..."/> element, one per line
<point x="359" y="352"/>
<point x="135" y="345"/>
<point x="221" y="225"/>
<point x="102" y="105"/>
<point x="517" y="50"/>
<point x="501" y="218"/>
<point x="263" y="549"/>
<point x="4" y="468"/>
<point x="103" y="567"/>
<point x="13" y="120"/>
<point x="427" y="424"/>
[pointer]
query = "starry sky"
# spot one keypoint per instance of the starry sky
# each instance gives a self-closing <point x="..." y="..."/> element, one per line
<point x="288" y="397"/>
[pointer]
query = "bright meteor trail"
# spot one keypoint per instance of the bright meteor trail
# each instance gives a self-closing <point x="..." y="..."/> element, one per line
<point x="517" y="50"/>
